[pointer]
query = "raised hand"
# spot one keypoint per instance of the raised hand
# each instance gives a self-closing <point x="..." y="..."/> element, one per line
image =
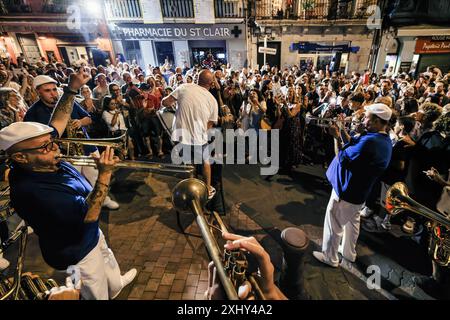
<point x="77" y="80"/>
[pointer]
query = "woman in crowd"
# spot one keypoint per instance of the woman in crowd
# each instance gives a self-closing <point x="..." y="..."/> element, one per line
<point x="93" y="107"/>
<point x="12" y="107"/>
<point x="293" y="126"/>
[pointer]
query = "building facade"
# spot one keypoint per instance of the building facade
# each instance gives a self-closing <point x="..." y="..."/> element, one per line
<point x="314" y="33"/>
<point x="62" y="31"/>
<point x="416" y="35"/>
<point x="178" y="31"/>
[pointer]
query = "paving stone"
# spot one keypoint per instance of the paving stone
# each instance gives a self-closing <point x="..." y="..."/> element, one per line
<point x="167" y="279"/>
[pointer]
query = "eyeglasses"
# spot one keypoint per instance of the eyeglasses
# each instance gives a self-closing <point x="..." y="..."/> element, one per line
<point x="49" y="146"/>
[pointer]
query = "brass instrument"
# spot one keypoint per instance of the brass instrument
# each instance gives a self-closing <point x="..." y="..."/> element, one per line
<point x="72" y="133"/>
<point x="179" y="171"/>
<point x="118" y="143"/>
<point x="23" y="286"/>
<point x="398" y="200"/>
<point x="327" y="122"/>
<point x="192" y="195"/>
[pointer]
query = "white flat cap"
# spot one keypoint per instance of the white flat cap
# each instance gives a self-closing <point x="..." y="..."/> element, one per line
<point x="380" y="110"/>
<point x="20" y="131"/>
<point x="40" y="80"/>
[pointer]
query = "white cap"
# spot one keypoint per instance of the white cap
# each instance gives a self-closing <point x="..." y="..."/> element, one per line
<point x="21" y="131"/>
<point x="40" y="80"/>
<point x="380" y="110"/>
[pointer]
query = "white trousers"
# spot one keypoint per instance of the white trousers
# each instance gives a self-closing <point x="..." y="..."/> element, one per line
<point x="100" y="273"/>
<point x="341" y="224"/>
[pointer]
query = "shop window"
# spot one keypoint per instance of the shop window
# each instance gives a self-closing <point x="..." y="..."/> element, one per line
<point x="164" y="52"/>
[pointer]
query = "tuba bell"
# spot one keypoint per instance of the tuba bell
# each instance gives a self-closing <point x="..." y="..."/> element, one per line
<point x="398" y="200"/>
<point x="232" y="266"/>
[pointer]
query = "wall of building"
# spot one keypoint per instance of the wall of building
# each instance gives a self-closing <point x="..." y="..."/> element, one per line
<point x="407" y="48"/>
<point x="147" y="53"/>
<point x="237" y="53"/>
<point x="49" y="44"/>
<point x="181" y="52"/>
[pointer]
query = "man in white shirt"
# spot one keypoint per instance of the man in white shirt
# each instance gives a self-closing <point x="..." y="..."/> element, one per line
<point x="197" y="111"/>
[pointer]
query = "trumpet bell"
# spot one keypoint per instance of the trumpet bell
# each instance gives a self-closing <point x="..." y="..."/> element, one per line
<point x="189" y="190"/>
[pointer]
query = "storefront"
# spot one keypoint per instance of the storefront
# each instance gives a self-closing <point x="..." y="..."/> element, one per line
<point x="412" y="49"/>
<point x="322" y="54"/>
<point x="432" y="51"/>
<point x="179" y="43"/>
<point x="58" y="44"/>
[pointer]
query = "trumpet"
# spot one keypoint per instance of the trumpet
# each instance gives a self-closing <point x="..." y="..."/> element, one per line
<point x="192" y="195"/>
<point x="327" y="122"/>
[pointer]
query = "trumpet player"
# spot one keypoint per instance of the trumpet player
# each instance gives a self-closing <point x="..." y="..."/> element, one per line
<point x="41" y="112"/>
<point x="59" y="203"/>
<point x="352" y="173"/>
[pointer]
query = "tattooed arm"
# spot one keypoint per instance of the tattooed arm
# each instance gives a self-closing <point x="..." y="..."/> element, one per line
<point x="63" y="110"/>
<point x="105" y="165"/>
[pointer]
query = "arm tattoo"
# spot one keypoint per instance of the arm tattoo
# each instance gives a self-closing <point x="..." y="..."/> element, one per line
<point x="63" y="107"/>
<point x="95" y="201"/>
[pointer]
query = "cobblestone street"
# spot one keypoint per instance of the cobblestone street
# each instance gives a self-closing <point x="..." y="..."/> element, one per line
<point x="144" y="234"/>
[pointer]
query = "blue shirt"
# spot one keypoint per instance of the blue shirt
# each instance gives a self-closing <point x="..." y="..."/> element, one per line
<point x="40" y="112"/>
<point x="54" y="205"/>
<point x="357" y="166"/>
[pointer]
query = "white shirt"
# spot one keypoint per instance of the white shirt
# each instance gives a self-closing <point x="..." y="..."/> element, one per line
<point x="107" y="116"/>
<point x="196" y="106"/>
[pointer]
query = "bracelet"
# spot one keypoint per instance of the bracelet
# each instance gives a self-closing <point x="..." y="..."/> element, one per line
<point x="69" y="91"/>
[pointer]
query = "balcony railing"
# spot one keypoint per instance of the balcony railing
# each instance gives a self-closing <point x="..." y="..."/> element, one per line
<point x="24" y="7"/>
<point x="177" y="8"/>
<point x="229" y="8"/>
<point x="323" y="10"/>
<point x="123" y="9"/>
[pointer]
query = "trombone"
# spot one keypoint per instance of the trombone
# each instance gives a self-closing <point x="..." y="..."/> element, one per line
<point x="178" y="171"/>
<point x="192" y="195"/>
<point x="119" y="143"/>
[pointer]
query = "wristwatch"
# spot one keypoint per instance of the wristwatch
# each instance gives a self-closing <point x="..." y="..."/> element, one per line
<point x="66" y="89"/>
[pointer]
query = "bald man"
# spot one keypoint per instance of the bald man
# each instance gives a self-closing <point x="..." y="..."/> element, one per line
<point x="197" y="111"/>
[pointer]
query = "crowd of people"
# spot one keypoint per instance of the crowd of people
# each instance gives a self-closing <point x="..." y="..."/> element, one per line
<point x="410" y="113"/>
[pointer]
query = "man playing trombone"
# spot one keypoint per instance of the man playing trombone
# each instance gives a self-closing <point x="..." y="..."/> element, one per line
<point x="41" y="112"/>
<point x="58" y="202"/>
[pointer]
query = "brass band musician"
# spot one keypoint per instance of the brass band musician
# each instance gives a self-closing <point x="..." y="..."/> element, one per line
<point x="58" y="202"/>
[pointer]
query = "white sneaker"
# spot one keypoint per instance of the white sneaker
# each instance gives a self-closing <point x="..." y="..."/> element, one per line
<point x="3" y="263"/>
<point x="110" y="203"/>
<point x="321" y="257"/>
<point x="126" y="279"/>
<point x="365" y="212"/>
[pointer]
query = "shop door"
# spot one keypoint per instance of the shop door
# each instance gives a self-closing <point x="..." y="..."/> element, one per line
<point x="272" y="60"/>
<point x="29" y="47"/>
<point x="209" y="56"/>
<point x="164" y="52"/>
<point x="133" y="51"/>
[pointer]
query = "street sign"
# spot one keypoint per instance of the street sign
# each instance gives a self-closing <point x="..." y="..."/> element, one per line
<point x="271" y="51"/>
